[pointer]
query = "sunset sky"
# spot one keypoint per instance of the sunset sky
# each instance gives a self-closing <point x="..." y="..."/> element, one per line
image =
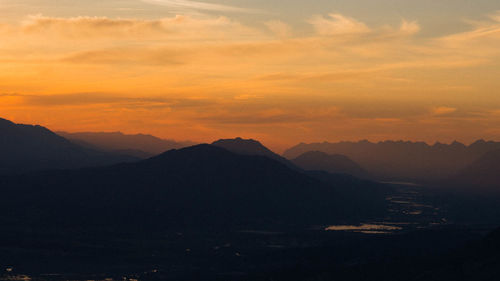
<point x="279" y="71"/>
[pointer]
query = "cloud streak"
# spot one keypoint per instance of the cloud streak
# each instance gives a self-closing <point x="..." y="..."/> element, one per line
<point x="337" y="24"/>
<point x="197" y="5"/>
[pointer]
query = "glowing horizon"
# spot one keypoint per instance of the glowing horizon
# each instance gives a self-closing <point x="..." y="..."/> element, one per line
<point x="205" y="70"/>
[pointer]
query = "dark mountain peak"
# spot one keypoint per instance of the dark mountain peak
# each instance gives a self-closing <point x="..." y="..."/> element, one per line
<point x="251" y="147"/>
<point x="457" y="144"/>
<point x="482" y="144"/>
<point x="5" y="122"/>
<point x="479" y="141"/>
<point x="213" y="158"/>
<point x="34" y="147"/>
<point x="23" y="133"/>
<point x="240" y="142"/>
<point x="199" y="149"/>
<point x="244" y="146"/>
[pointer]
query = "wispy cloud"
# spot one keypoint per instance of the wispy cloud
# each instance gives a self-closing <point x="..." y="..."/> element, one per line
<point x="281" y="29"/>
<point x="337" y="24"/>
<point x="443" y="110"/>
<point x="188" y="4"/>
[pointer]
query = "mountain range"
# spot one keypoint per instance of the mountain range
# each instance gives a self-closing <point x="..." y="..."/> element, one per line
<point x="195" y="186"/>
<point x="404" y="161"/>
<point x="29" y="148"/>
<point x="139" y="145"/>
<point x="236" y="206"/>
<point x="336" y="164"/>
<point x="229" y="182"/>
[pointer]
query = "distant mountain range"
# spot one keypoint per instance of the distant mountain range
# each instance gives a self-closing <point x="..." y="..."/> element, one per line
<point x="30" y="148"/>
<point x="140" y="145"/>
<point x="408" y="161"/>
<point x="336" y="164"/>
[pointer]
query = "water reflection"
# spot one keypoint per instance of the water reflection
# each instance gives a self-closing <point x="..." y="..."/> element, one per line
<point x="16" y="278"/>
<point x="365" y="228"/>
<point x="409" y="208"/>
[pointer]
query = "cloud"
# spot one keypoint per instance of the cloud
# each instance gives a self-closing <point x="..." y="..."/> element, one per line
<point x="482" y="31"/>
<point x="198" y="5"/>
<point x="281" y="29"/>
<point x="496" y="16"/>
<point x="232" y="115"/>
<point x="409" y="27"/>
<point x="88" y="27"/>
<point x="246" y="97"/>
<point x="129" y="56"/>
<point x="443" y="110"/>
<point x="103" y="28"/>
<point x="113" y="100"/>
<point x="337" y="24"/>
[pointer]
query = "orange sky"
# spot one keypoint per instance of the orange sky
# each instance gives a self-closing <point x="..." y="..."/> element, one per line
<point x="204" y="76"/>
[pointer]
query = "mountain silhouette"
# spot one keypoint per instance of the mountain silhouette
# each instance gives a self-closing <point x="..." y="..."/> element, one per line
<point x="482" y="174"/>
<point x="201" y="185"/>
<point x="400" y="160"/>
<point x="250" y="147"/>
<point x="29" y="148"/>
<point x="316" y="160"/>
<point x="140" y="145"/>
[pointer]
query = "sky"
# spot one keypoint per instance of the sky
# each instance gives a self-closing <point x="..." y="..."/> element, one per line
<point x="282" y="72"/>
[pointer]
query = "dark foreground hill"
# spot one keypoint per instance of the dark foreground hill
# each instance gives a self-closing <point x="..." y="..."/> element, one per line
<point x="320" y="161"/>
<point x="197" y="186"/>
<point x="404" y="161"/>
<point x="139" y="145"/>
<point x="28" y="148"/>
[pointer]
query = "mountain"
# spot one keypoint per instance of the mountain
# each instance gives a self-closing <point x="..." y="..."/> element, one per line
<point x="482" y="174"/>
<point x="29" y="148"/>
<point x="139" y="145"/>
<point x="400" y="160"/>
<point x="200" y="186"/>
<point x="250" y="147"/>
<point x="316" y="160"/>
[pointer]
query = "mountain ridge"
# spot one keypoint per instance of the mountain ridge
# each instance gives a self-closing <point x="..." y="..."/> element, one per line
<point x="251" y="147"/>
<point x="33" y="147"/>
<point x="141" y="145"/>
<point x="193" y="186"/>
<point x="332" y="163"/>
<point x="404" y="160"/>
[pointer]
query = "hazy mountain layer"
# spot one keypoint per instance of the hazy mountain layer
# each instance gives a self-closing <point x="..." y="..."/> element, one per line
<point x="414" y="161"/>
<point x="139" y="145"/>
<point x="316" y="160"/>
